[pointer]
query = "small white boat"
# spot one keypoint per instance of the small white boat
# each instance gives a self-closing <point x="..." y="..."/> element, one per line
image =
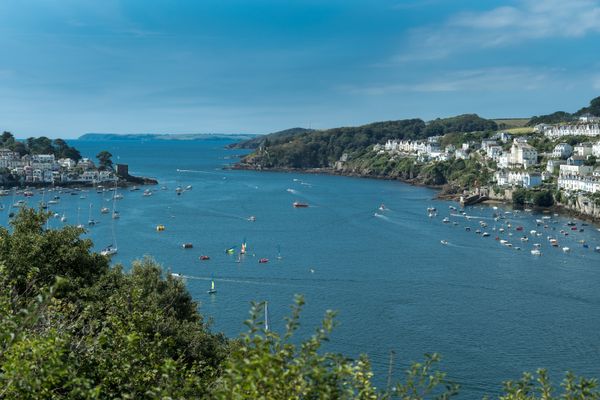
<point x="446" y="220"/>
<point x="176" y="275"/>
<point x="485" y="234"/>
<point x="63" y="218"/>
<point x="444" y="242"/>
<point x="109" y="250"/>
<point x="251" y="218"/>
<point x="536" y="252"/>
<point x="104" y="210"/>
<point x="566" y="249"/>
<point x="118" y="196"/>
<point x="212" y="289"/>
<point x="147" y="193"/>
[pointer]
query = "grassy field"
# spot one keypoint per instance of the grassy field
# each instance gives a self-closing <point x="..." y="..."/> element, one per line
<point x="520" y="131"/>
<point x="508" y="123"/>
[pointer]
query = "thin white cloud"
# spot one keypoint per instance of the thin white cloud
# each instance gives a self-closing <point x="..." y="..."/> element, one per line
<point x="504" y="26"/>
<point x="486" y="79"/>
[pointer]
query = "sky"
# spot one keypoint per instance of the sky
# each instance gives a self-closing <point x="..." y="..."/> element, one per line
<point x="68" y="67"/>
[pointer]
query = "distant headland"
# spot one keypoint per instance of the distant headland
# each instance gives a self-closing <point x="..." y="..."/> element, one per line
<point x="166" y="136"/>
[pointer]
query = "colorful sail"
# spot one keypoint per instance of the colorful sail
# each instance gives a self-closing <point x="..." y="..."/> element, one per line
<point x="230" y="250"/>
<point x="243" y="249"/>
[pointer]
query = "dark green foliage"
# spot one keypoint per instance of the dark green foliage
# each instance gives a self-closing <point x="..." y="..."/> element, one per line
<point x="591" y="161"/>
<point x="460" y="123"/>
<point x="264" y="140"/>
<point x="519" y="196"/>
<point x="318" y="149"/>
<point x="73" y="328"/>
<point x="63" y="150"/>
<point x="543" y="198"/>
<point x="34" y="257"/>
<point x="104" y="160"/>
<point x="41" y="145"/>
<point x="593" y="108"/>
<point x="554" y="118"/>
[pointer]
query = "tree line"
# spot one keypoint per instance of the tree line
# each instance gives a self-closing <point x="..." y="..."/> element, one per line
<point x="40" y="145"/>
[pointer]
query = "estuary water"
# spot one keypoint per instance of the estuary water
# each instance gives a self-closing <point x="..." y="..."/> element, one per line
<point x="491" y="310"/>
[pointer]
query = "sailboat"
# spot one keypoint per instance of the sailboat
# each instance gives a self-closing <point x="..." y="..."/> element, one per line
<point x="112" y="248"/>
<point x="91" y="222"/>
<point x="212" y="289"/>
<point x="243" y="248"/>
<point x="266" y="316"/>
<point x="279" y="257"/>
<point x="79" y="225"/>
<point x="115" y="213"/>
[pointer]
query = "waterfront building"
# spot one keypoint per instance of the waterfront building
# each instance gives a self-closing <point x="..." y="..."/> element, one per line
<point x="518" y="178"/>
<point x="578" y="183"/>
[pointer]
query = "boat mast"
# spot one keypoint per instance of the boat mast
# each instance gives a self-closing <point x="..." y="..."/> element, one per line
<point x="266" y="316"/>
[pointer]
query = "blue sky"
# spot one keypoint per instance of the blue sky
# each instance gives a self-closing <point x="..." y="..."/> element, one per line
<point x="73" y="66"/>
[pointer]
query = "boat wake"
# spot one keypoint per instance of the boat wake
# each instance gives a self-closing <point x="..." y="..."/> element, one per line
<point x="474" y="217"/>
<point x="196" y="171"/>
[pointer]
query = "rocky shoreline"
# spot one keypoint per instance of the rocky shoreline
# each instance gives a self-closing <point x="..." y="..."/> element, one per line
<point x="128" y="181"/>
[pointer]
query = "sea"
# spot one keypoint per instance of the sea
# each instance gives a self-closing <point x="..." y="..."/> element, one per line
<point x="492" y="311"/>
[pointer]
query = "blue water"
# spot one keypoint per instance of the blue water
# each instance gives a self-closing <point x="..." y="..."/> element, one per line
<point x="491" y="311"/>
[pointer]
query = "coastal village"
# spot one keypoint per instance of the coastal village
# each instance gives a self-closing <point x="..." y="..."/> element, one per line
<point x="566" y="162"/>
<point x="45" y="168"/>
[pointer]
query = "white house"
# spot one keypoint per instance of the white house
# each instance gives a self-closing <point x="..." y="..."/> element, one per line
<point x="575" y="183"/>
<point x="523" y="154"/>
<point x="67" y="163"/>
<point x="588" y="118"/>
<point x="518" y="178"/>
<point x="494" y="152"/>
<point x="504" y="137"/>
<point x="562" y="150"/>
<point x="575" y="170"/>
<point x="85" y="163"/>
<point x="485" y="143"/>
<point x="583" y="149"/>
<point x="596" y="149"/>
<point x="573" y="130"/>
<point x="504" y="160"/>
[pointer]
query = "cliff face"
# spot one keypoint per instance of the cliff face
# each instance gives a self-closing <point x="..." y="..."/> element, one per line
<point x="584" y="205"/>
